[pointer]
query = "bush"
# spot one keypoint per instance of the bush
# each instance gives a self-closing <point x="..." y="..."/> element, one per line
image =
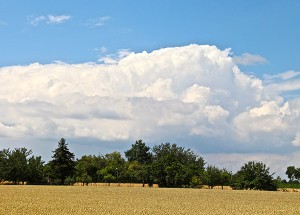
<point x="196" y="182"/>
<point x="69" y="181"/>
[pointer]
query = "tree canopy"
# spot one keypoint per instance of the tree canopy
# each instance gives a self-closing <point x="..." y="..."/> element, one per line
<point x="175" y="166"/>
<point x="166" y="164"/>
<point x="63" y="163"/>
<point x="293" y="173"/>
<point x="254" y="176"/>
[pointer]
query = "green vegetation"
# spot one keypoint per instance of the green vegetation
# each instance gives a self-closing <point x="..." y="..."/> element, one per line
<point x="166" y="165"/>
<point x="288" y="185"/>
<point x="63" y="164"/>
<point x="254" y="176"/>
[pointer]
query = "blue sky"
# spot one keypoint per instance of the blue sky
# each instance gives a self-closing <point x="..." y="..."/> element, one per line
<point x="221" y="77"/>
<point x="267" y="28"/>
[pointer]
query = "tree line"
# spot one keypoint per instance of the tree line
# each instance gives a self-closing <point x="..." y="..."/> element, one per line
<point x="167" y="165"/>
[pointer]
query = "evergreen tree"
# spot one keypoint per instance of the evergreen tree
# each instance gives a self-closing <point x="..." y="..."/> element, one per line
<point x="63" y="163"/>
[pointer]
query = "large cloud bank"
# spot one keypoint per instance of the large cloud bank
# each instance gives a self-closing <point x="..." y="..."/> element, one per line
<point x="193" y="92"/>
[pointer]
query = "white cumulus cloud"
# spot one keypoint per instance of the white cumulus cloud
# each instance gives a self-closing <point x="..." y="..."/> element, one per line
<point x="194" y="93"/>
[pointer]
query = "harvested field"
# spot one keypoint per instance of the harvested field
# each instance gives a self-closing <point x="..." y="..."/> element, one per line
<point x="137" y="200"/>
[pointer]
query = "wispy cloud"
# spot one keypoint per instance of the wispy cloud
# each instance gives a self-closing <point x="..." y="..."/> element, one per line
<point x="283" y="83"/>
<point x="97" y="22"/>
<point x="283" y="76"/>
<point x="113" y="58"/>
<point x="35" y="20"/>
<point x="49" y="19"/>
<point x="249" y="59"/>
<point x="58" y="19"/>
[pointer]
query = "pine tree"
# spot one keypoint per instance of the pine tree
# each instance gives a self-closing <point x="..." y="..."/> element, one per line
<point x="63" y="163"/>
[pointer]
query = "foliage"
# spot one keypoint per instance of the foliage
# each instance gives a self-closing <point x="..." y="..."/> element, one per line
<point x="225" y="178"/>
<point x="69" y="181"/>
<point x="36" y="173"/>
<point x="139" y="161"/>
<point x="109" y="178"/>
<point x="168" y="165"/>
<point x="196" y="182"/>
<point x="139" y="152"/>
<point x="16" y="166"/>
<point x="4" y="166"/>
<point x="174" y="166"/>
<point x="17" y="163"/>
<point x="293" y="173"/>
<point x="87" y="167"/>
<point x="254" y="176"/>
<point x="114" y="168"/>
<point x="289" y="185"/>
<point x="63" y="164"/>
<point x="212" y="176"/>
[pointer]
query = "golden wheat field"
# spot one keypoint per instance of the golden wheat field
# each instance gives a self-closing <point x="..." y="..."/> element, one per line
<point x="139" y="200"/>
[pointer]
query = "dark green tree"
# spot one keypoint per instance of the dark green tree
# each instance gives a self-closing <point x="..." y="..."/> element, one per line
<point x="196" y="182"/>
<point x="138" y="173"/>
<point x="293" y="173"/>
<point x="36" y="171"/>
<point x="87" y="167"/>
<point x="225" y="178"/>
<point x="15" y="166"/>
<point x="4" y="168"/>
<point x="18" y="165"/>
<point x="139" y="159"/>
<point x="254" y="176"/>
<point x="62" y="164"/>
<point x="175" y="166"/>
<point x="212" y="176"/>
<point x="114" y="168"/>
<point x="139" y="152"/>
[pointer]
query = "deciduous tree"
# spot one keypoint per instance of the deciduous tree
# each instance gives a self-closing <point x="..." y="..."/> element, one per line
<point x="254" y="176"/>
<point x="139" y="159"/>
<point x="18" y="165"/>
<point x="139" y="152"/>
<point x="175" y="166"/>
<point x="293" y="173"/>
<point x="114" y="167"/>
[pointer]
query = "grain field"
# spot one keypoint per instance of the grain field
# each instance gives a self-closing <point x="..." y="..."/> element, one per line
<point x="138" y="200"/>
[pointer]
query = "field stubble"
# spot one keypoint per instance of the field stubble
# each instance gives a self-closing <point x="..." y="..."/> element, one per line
<point x="139" y="200"/>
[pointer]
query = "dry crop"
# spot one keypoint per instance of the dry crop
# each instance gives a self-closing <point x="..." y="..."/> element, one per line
<point x="138" y="200"/>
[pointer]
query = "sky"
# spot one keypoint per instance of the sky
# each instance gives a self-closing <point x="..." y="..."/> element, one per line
<point x="221" y="78"/>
